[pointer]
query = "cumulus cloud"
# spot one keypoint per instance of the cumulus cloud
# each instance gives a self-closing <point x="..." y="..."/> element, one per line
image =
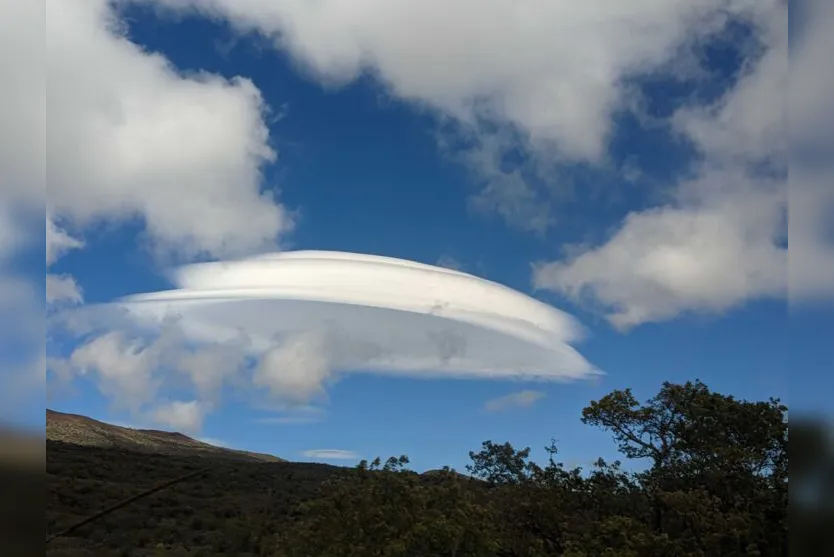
<point x="124" y="368"/>
<point x="546" y="80"/>
<point x="670" y="260"/>
<point x="288" y="324"/>
<point x="521" y="399"/>
<point x="209" y="368"/>
<point x="58" y="241"/>
<point x="131" y="137"/>
<point x="62" y="288"/>
<point x="296" y="369"/>
<point x="132" y="369"/>
<point x="330" y="454"/>
<point x="180" y="415"/>
<point x="543" y="76"/>
<point x="723" y="240"/>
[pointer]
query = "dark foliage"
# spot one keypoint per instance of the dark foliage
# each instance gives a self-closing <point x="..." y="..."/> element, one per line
<point x="715" y="484"/>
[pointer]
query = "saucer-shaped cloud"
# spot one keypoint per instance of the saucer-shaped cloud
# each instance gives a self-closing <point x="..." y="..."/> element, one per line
<point x="298" y="317"/>
<point x="353" y="312"/>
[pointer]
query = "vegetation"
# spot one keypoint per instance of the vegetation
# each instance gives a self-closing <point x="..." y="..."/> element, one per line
<point x="81" y="430"/>
<point x="715" y="484"/>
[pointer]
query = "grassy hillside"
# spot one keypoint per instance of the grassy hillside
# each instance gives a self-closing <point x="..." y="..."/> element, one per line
<point x="716" y="485"/>
<point x="84" y="431"/>
<point x="209" y="515"/>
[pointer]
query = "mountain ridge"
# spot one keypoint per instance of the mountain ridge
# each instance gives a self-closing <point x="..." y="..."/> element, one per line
<point x="76" y="429"/>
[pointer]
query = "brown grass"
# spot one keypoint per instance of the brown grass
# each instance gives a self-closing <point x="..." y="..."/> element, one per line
<point x="87" y="432"/>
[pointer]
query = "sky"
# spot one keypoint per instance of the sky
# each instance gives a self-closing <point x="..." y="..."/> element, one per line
<point x="623" y="165"/>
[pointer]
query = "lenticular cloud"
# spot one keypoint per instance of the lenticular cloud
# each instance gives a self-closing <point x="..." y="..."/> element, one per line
<point x="304" y="315"/>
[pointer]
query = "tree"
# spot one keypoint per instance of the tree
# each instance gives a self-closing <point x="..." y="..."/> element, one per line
<point x="386" y="509"/>
<point x="718" y="475"/>
<point x="689" y="424"/>
<point x="501" y="464"/>
<point x="716" y="484"/>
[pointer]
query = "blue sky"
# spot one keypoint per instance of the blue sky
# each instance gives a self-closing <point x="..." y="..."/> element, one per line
<point x="384" y="161"/>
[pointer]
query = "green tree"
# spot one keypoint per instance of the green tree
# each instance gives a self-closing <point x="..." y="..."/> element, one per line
<point x="502" y="464"/>
<point x="718" y="476"/>
<point x="388" y="510"/>
<point x="691" y="425"/>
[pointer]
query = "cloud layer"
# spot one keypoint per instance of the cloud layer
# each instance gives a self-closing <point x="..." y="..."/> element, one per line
<point x="722" y="241"/>
<point x="521" y="399"/>
<point x="552" y="69"/>
<point x="130" y="140"/>
<point x="129" y="136"/>
<point x="294" y="320"/>
<point x="546" y="80"/>
<point x="330" y="454"/>
<point x="133" y="139"/>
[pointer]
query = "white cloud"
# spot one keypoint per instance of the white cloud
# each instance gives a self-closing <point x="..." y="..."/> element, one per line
<point x="330" y="454"/>
<point x="671" y="260"/>
<point x="286" y="324"/>
<point x="331" y="310"/>
<point x="62" y="288"/>
<point x="295" y="370"/>
<point x="131" y="368"/>
<point x="304" y="414"/>
<point x="210" y="368"/>
<point x="504" y="192"/>
<point x="58" y="241"/>
<point x="543" y="76"/>
<point x="131" y="137"/>
<point x="722" y="242"/>
<point x="185" y="416"/>
<point x="521" y="399"/>
<point x="547" y="79"/>
<point x="124" y="368"/>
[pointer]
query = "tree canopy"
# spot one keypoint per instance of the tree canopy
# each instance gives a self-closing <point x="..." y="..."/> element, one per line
<point x="715" y="483"/>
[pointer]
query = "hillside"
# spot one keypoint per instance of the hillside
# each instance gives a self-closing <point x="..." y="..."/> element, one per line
<point x="81" y="430"/>
<point x="721" y="495"/>
<point x="213" y="514"/>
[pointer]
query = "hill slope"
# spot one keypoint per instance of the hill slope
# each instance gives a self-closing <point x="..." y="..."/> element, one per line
<point x="81" y="430"/>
